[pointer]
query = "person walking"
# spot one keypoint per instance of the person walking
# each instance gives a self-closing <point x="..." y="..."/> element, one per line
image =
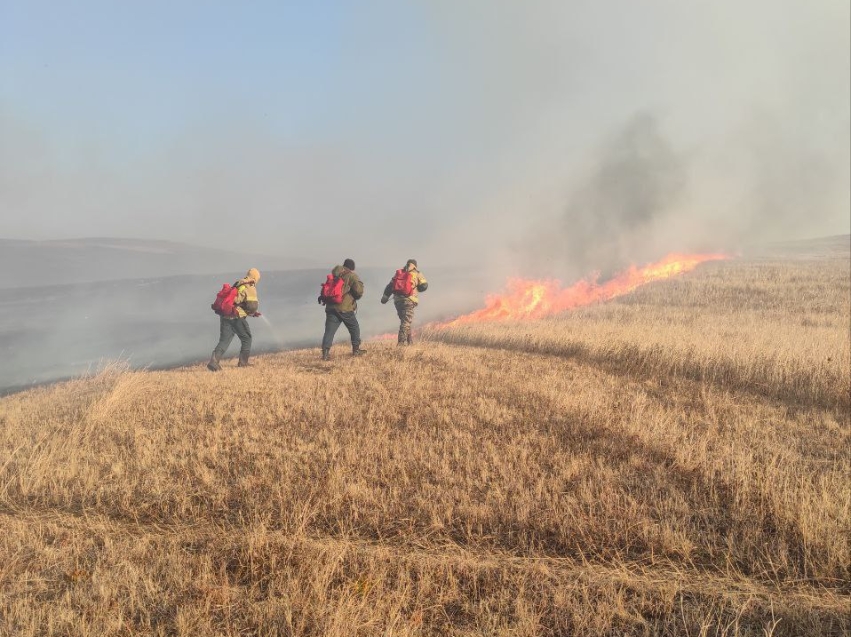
<point x="405" y="287"/>
<point x="245" y="304"/>
<point x="342" y="308"/>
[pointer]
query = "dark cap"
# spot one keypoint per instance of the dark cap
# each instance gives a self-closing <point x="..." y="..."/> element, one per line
<point x="414" y="261"/>
<point x="349" y="264"/>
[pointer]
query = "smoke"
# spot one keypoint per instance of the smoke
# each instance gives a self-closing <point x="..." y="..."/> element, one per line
<point x="635" y="183"/>
<point x="642" y="196"/>
<point x="575" y="136"/>
<point x="655" y="127"/>
<point x="70" y="329"/>
<point x="795" y="186"/>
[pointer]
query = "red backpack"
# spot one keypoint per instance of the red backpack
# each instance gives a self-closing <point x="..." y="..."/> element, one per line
<point x="403" y="283"/>
<point x="332" y="290"/>
<point x="223" y="305"/>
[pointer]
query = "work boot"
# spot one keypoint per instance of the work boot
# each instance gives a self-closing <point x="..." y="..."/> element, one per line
<point x="213" y="365"/>
<point x="326" y="354"/>
<point x="357" y="351"/>
<point x="243" y="361"/>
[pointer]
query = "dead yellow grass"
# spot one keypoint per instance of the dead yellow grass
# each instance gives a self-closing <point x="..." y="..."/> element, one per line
<point x="778" y="329"/>
<point x="672" y="464"/>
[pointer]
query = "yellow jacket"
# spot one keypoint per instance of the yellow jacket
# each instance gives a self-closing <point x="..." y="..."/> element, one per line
<point x="419" y="282"/>
<point x="246" y="301"/>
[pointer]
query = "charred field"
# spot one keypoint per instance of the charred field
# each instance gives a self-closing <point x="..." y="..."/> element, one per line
<point x="59" y="332"/>
<point x="671" y="462"/>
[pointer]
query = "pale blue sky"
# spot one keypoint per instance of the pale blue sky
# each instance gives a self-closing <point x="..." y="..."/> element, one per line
<point x="141" y="73"/>
<point x="437" y="128"/>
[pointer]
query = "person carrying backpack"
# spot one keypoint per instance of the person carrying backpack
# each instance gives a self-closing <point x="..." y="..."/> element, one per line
<point x="340" y="295"/>
<point x="240" y="302"/>
<point x="404" y="287"/>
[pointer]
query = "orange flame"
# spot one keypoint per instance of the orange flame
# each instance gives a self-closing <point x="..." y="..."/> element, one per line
<point x="526" y="299"/>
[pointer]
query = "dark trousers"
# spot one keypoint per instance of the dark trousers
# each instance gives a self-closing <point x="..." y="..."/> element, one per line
<point x="228" y="328"/>
<point x="333" y="318"/>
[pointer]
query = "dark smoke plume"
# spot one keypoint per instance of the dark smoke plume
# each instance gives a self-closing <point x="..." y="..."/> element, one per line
<point x="636" y="180"/>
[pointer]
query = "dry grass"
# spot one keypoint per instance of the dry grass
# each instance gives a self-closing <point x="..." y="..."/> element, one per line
<point x="675" y="463"/>
<point x="777" y="329"/>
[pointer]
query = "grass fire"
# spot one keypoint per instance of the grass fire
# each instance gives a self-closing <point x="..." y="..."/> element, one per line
<point x="531" y="299"/>
<point x="670" y="459"/>
<point x="479" y="318"/>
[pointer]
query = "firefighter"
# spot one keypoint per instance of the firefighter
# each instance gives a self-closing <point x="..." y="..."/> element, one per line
<point x="245" y="305"/>
<point x="344" y="312"/>
<point x="404" y="287"/>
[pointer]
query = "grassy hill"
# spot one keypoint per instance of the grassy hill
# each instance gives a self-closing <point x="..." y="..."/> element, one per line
<point x="37" y="263"/>
<point x="672" y="463"/>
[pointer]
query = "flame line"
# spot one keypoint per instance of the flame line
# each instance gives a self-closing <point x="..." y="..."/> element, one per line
<point x="531" y="299"/>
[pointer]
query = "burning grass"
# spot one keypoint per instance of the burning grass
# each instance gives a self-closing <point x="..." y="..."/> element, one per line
<point x="671" y="463"/>
<point x="772" y="328"/>
<point x="526" y="299"/>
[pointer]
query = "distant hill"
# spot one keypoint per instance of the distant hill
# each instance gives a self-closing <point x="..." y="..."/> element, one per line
<point x="107" y="259"/>
<point x="835" y="245"/>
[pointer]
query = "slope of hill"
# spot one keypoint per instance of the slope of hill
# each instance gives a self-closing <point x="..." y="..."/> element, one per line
<point x="34" y="263"/>
<point x="672" y="463"/>
<point x="59" y="332"/>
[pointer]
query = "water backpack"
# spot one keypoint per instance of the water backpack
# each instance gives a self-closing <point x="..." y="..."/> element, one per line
<point x="223" y="305"/>
<point x="332" y="290"/>
<point x="403" y="283"/>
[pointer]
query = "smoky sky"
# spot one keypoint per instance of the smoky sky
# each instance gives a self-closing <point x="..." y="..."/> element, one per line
<point x="638" y="180"/>
<point x="571" y="135"/>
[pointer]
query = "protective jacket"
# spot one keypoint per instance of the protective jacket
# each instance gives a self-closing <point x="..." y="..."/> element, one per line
<point x="419" y="282"/>
<point x="352" y="290"/>
<point x="246" y="301"/>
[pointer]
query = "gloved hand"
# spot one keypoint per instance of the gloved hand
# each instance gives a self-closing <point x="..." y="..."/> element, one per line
<point x="320" y="300"/>
<point x="384" y="299"/>
<point x="257" y="315"/>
